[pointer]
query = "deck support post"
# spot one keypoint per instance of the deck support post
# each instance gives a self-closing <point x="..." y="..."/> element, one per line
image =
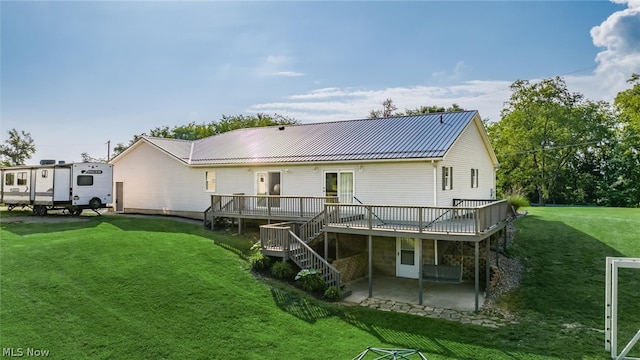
<point x="239" y="226"/>
<point x="477" y="273"/>
<point x="326" y="246"/>
<point x="370" y="246"/>
<point x="487" y="268"/>
<point x="420" y="265"/>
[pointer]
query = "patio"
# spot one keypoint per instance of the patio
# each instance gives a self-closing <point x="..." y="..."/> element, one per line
<point x="435" y="295"/>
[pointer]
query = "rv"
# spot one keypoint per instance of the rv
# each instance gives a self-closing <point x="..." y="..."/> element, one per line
<point x="70" y="187"/>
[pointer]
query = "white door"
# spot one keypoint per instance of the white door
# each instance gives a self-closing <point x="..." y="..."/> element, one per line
<point x="407" y="262"/>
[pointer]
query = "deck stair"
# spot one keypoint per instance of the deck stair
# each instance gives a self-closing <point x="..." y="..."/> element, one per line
<point x="311" y="230"/>
<point x="281" y="240"/>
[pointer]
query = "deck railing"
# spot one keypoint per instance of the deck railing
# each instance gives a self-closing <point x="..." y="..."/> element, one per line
<point x="275" y="206"/>
<point x="281" y="238"/>
<point x="446" y="219"/>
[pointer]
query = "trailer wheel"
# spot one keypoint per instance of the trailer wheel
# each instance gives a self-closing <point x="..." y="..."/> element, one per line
<point x="95" y="203"/>
<point x="40" y="210"/>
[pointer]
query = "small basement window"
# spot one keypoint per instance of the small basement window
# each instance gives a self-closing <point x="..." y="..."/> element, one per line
<point x="85" y="180"/>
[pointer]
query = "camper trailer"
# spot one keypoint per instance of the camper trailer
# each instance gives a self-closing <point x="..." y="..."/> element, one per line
<point x="71" y="187"/>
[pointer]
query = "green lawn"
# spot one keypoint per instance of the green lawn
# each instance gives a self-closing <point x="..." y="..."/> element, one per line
<point x="117" y="287"/>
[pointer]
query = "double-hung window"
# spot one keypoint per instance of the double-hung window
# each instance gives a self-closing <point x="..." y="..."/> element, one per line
<point x="210" y="181"/>
<point x="474" y="178"/>
<point x="447" y="178"/>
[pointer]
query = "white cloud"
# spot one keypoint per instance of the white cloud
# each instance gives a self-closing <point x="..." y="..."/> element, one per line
<point x="277" y="65"/>
<point x="330" y="104"/>
<point x="289" y="73"/>
<point x="618" y="36"/>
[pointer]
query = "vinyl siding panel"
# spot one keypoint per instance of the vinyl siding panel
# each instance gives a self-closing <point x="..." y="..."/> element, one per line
<point x="153" y="180"/>
<point x="469" y="151"/>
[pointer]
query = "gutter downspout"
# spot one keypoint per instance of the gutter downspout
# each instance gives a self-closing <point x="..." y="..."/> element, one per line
<point x="435" y="182"/>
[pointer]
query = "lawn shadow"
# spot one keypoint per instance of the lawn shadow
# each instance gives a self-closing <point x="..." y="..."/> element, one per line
<point x="561" y="297"/>
<point x="301" y="307"/>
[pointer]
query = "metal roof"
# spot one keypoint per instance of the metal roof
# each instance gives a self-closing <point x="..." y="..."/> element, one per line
<point x="404" y="137"/>
<point x="181" y="149"/>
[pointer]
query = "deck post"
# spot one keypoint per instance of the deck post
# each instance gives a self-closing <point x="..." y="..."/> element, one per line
<point x="420" y="265"/>
<point x="326" y="246"/>
<point x="239" y="226"/>
<point x="370" y="246"/>
<point x="477" y="273"/>
<point x="487" y="269"/>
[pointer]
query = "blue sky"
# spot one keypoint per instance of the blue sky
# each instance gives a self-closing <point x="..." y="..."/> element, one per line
<point x="77" y="74"/>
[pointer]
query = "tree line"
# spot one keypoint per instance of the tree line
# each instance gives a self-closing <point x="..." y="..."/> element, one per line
<point x="554" y="146"/>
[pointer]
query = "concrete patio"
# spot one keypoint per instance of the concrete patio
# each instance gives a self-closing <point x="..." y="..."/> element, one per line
<point x="435" y="295"/>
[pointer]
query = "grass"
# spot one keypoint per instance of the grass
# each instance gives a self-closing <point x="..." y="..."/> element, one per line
<point x="122" y="287"/>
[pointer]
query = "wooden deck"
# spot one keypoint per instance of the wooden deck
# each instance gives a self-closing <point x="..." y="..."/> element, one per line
<point x="445" y="223"/>
<point x="467" y="220"/>
<point x="268" y="207"/>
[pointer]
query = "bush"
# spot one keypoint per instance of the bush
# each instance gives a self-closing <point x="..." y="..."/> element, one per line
<point x="311" y="280"/>
<point x="332" y="293"/>
<point x="282" y="270"/>
<point x="518" y="201"/>
<point x="259" y="261"/>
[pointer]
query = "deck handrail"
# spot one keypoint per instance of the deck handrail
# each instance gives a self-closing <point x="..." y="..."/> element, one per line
<point x="313" y="227"/>
<point x="271" y="206"/>
<point x="329" y="272"/>
<point x="281" y="238"/>
<point x="439" y="219"/>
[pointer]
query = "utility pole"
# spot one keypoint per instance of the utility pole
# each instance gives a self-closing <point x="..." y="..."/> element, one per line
<point x="108" y="150"/>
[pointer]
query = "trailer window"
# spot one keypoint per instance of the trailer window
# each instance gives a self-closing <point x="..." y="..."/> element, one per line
<point x="9" y="178"/>
<point x="210" y="178"/>
<point x="22" y="178"/>
<point x="85" y="180"/>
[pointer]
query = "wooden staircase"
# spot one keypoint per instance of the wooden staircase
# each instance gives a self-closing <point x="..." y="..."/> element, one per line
<point x="281" y="240"/>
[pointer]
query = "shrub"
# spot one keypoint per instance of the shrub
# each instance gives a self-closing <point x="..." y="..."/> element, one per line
<point x="282" y="270"/>
<point x="311" y="280"/>
<point x="332" y="293"/>
<point x="518" y="201"/>
<point x="259" y="261"/>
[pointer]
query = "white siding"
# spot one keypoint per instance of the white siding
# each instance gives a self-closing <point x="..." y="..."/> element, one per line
<point x="399" y="183"/>
<point x="153" y="180"/>
<point x="469" y="151"/>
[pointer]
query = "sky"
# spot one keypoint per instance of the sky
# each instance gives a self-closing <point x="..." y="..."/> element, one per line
<point x="77" y="75"/>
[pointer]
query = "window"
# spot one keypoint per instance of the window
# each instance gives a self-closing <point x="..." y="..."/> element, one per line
<point x="474" y="178"/>
<point x="45" y="173"/>
<point x="9" y="178"/>
<point x="210" y="179"/>
<point x="22" y="178"/>
<point x="447" y="178"/>
<point x="85" y="180"/>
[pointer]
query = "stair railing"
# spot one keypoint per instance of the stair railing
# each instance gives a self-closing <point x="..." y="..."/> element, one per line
<point x="304" y="256"/>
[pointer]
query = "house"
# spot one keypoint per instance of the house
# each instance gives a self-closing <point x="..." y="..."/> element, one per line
<point x="391" y="193"/>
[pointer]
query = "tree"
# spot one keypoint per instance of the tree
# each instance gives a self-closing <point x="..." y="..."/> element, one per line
<point x="623" y="175"/>
<point x="17" y="148"/>
<point x="388" y="108"/>
<point x="432" y="109"/>
<point x="88" y="158"/>
<point x="545" y="135"/>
